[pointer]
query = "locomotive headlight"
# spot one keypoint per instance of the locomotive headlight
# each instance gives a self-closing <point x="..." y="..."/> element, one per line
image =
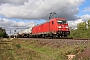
<point x="59" y="26"/>
<point x="67" y="27"/>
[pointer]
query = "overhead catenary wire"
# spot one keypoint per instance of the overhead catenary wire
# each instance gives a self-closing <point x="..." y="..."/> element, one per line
<point x="25" y="12"/>
<point x="57" y="9"/>
<point x="38" y="6"/>
<point x="35" y="8"/>
<point x="51" y="9"/>
<point x="48" y="10"/>
<point x="30" y="6"/>
<point x="65" y="7"/>
<point x="27" y="8"/>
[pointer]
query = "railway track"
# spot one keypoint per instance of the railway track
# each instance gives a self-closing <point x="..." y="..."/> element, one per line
<point x="56" y="38"/>
<point x="7" y="44"/>
<point x="61" y="40"/>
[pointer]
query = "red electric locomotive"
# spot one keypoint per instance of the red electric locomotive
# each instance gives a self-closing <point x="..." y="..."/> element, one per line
<point x="56" y="27"/>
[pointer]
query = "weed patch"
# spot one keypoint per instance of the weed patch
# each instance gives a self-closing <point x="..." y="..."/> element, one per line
<point x="18" y="46"/>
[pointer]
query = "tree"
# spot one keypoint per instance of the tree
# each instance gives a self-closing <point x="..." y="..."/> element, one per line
<point x="3" y="33"/>
<point x="80" y="32"/>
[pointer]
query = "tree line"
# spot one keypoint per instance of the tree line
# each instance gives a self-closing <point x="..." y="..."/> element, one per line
<point x="82" y="31"/>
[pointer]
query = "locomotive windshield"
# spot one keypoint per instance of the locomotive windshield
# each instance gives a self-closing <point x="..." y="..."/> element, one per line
<point x="61" y="21"/>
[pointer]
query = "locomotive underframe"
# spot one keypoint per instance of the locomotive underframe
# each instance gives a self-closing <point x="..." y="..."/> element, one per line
<point x="63" y="33"/>
<point x="52" y="34"/>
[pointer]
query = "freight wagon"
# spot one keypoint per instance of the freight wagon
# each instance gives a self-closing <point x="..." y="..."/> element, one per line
<point x="25" y="33"/>
<point x="56" y="27"/>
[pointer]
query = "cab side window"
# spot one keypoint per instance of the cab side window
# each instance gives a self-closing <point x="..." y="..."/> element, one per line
<point x="52" y="22"/>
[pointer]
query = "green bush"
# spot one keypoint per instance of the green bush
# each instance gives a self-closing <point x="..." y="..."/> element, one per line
<point x="3" y="33"/>
<point x="18" y="46"/>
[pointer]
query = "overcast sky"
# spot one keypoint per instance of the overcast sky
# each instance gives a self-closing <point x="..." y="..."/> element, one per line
<point x="26" y="12"/>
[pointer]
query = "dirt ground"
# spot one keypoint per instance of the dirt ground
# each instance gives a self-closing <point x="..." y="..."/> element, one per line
<point x="86" y="52"/>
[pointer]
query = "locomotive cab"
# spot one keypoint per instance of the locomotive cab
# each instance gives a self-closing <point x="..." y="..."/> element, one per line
<point x="62" y="25"/>
<point x="63" y="28"/>
<point x="59" y="27"/>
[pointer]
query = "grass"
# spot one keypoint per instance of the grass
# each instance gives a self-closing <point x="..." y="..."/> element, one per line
<point x="34" y="50"/>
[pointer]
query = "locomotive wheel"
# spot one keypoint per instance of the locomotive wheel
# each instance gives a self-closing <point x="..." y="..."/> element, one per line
<point x="45" y="37"/>
<point x="36" y="36"/>
<point x="54" y="36"/>
<point x="65" y="35"/>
